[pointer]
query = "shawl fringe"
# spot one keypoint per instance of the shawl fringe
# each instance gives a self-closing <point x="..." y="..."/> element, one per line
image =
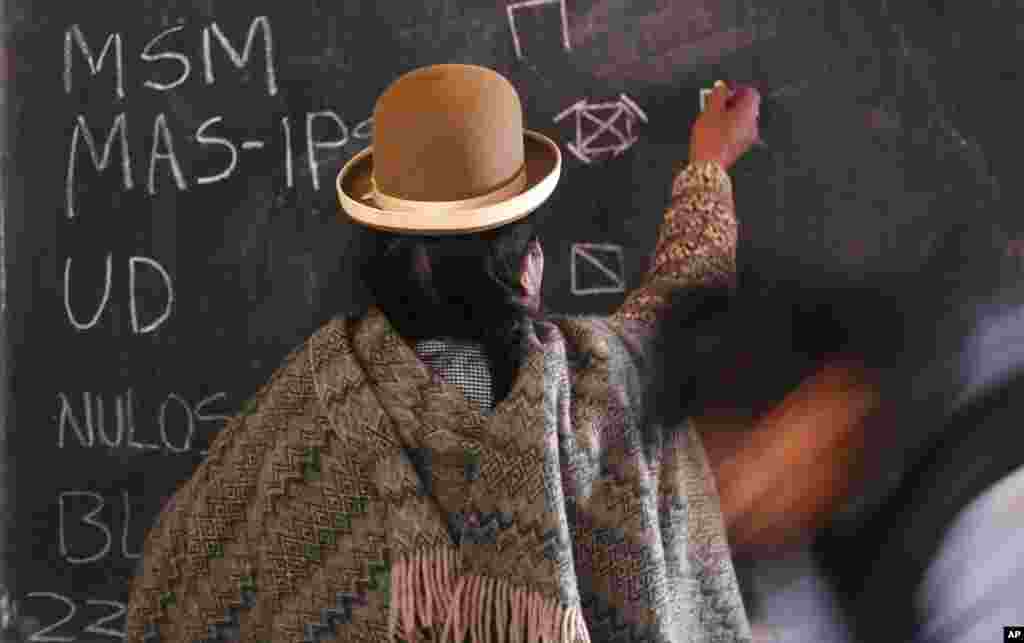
<point x="427" y="592"/>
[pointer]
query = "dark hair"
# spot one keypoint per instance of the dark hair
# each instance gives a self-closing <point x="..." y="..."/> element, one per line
<point x="460" y="286"/>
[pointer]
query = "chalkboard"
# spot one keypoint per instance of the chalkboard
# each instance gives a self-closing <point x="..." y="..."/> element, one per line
<point x="171" y="229"/>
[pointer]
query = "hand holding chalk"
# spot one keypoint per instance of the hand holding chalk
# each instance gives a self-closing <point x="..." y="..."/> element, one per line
<point x="727" y="128"/>
<point x="735" y="93"/>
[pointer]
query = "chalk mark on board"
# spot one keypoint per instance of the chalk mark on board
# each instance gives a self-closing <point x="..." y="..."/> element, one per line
<point x="523" y="4"/>
<point x="590" y="126"/>
<point x="252" y="145"/>
<point x="591" y="253"/>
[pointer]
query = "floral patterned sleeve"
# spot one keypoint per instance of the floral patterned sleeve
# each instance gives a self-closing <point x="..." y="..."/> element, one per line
<point x="696" y="243"/>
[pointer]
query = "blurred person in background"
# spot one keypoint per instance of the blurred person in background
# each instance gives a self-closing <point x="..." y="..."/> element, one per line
<point x="898" y="459"/>
<point x="933" y="548"/>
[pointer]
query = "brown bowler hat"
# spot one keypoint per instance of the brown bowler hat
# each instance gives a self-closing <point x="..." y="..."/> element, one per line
<point x="450" y="156"/>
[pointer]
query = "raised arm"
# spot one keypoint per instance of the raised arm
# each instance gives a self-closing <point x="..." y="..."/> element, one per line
<point x="696" y="242"/>
<point x="697" y="239"/>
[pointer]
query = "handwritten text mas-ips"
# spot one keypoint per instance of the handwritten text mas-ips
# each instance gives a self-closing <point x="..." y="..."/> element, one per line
<point x="163" y="150"/>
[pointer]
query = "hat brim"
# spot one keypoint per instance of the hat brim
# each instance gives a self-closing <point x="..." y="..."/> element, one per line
<point x="543" y="168"/>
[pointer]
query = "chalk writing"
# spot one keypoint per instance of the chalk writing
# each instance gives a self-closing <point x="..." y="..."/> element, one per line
<point x="96" y="627"/>
<point x="364" y="130"/>
<point x="241" y="60"/>
<point x="133" y="263"/>
<point x="75" y="33"/>
<point x="72" y="516"/>
<point x="163" y="150"/>
<point x="203" y="139"/>
<point x="177" y="399"/>
<point x="41" y="634"/>
<point x="103" y="302"/>
<point x="313" y="145"/>
<point x="113" y="425"/>
<point x="127" y="505"/>
<point x="594" y="120"/>
<point x="525" y="4"/>
<point x="162" y="135"/>
<point x="132" y="300"/>
<point x="73" y="37"/>
<point x="606" y="258"/>
<point x="99" y="162"/>
<point x="163" y="144"/>
<point x="119" y="611"/>
<point x="87" y="519"/>
<point x="182" y="59"/>
<point x="187" y="150"/>
<point x="289" y="170"/>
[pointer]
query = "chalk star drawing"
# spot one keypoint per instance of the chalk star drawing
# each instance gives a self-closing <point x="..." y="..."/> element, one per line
<point x="590" y="253"/>
<point x="524" y="4"/>
<point x="624" y="110"/>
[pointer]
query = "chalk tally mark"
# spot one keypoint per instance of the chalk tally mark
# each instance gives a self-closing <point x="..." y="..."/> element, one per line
<point x="620" y="118"/>
<point x="526" y="4"/>
<point x="607" y="258"/>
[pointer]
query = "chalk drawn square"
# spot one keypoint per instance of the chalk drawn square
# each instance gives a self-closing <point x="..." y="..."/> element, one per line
<point x="597" y="268"/>
<point x="528" y="6"/>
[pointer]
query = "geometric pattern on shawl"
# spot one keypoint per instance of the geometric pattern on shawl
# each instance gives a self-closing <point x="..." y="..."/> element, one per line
<point x="308" y="514"/>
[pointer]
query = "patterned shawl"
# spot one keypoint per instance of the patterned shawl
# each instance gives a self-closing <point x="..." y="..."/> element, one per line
<point x="361" y="498"/>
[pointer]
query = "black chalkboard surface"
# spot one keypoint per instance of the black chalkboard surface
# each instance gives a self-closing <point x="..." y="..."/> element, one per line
<point x="172" y="230"/>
